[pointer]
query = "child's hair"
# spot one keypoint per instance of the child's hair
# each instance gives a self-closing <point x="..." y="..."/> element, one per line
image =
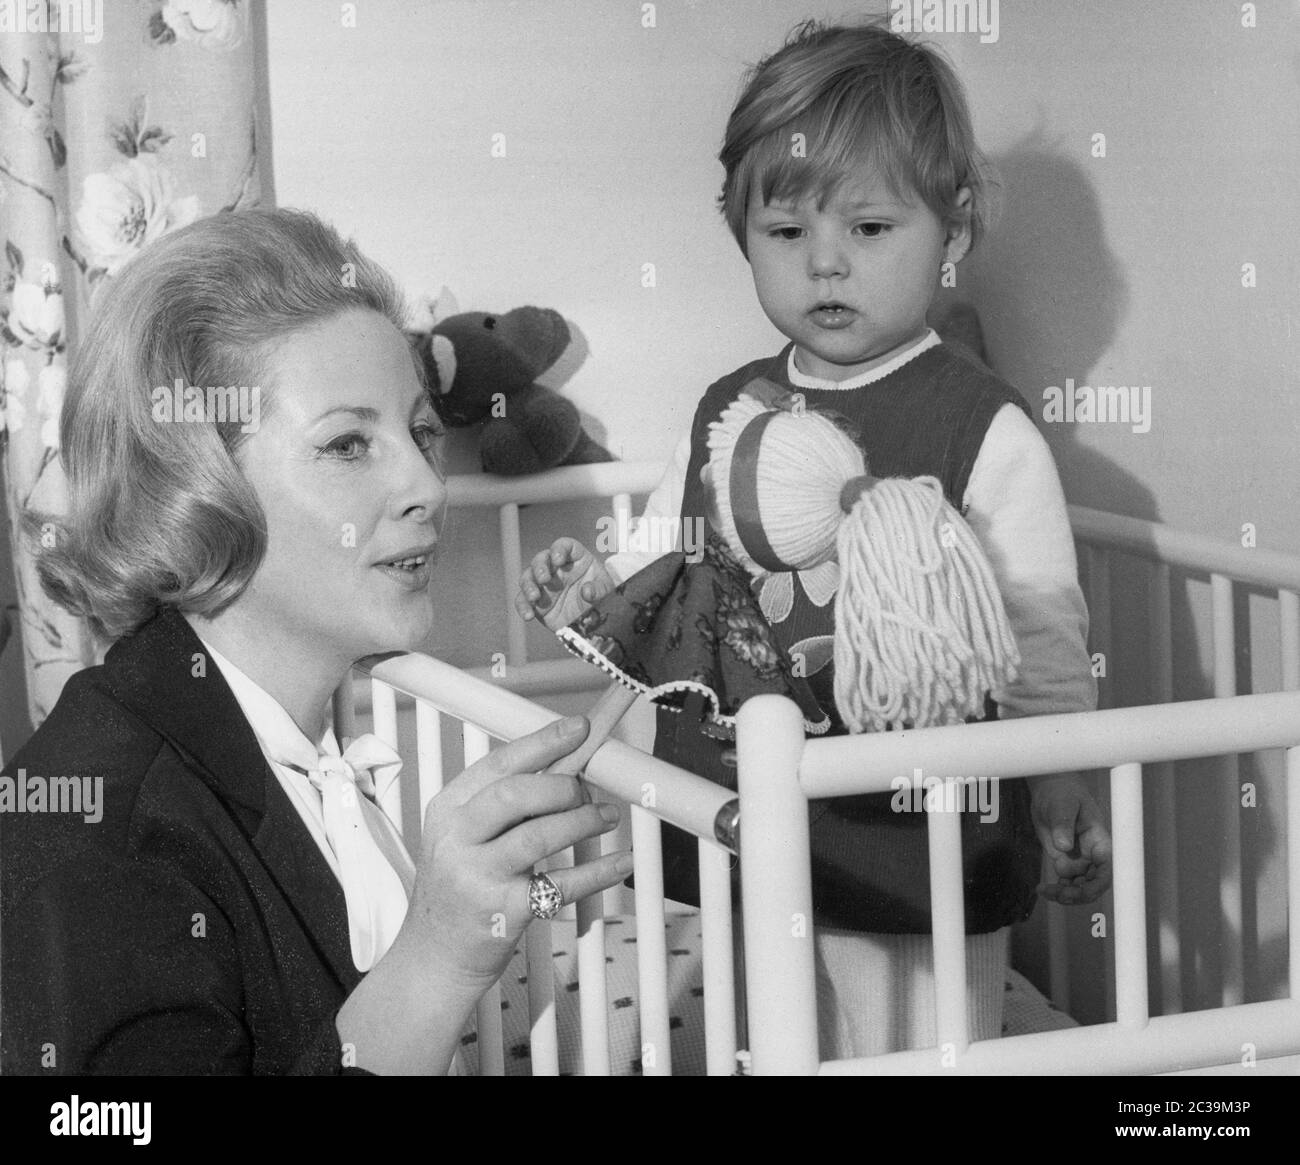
<point x="860" y="96"/>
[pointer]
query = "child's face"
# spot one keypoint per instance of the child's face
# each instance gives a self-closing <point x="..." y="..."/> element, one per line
<point x="849" y="283"/>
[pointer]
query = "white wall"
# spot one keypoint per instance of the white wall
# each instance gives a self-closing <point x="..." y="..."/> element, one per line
<point x="1127" y="269"/>
<point x="611" y="134"/>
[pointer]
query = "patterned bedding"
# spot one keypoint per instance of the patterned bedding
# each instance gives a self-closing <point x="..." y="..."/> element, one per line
<point x="1026" y="1009"/>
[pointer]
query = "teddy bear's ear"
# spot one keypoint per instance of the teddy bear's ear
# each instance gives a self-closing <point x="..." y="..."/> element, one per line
<point x="425" y="311"/>
<point x="443" y="353"/>
<point x="444" y="305"/>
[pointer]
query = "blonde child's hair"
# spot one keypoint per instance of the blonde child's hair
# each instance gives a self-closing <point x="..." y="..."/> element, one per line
<point x="862" y="97"/>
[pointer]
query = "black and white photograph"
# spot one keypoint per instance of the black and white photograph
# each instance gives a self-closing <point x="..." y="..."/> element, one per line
<point x="677" y="538"/>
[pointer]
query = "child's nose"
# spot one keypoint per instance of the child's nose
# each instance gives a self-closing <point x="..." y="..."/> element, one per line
<point x="827" y="259"/>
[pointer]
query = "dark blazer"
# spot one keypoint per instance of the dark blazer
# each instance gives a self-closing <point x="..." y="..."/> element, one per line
<point x="196" y="928"/>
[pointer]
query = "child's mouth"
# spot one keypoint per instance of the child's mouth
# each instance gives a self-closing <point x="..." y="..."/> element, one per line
<point x="833" y="315"/>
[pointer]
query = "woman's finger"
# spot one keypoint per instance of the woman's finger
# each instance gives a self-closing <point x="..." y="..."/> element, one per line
<point x="578" y="882"/>
<point x="536" y="840"/>
<point x="510" y="802"/>
<point x="533" y="753"/>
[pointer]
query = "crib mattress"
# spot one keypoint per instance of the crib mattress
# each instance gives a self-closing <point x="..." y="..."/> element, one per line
<point x="1026" y="1010"/>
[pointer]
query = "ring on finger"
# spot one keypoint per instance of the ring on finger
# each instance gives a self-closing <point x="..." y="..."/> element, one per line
<point x="545" y="899"/>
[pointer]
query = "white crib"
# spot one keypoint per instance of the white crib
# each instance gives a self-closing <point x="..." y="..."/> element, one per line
<point x="779" y="771"/>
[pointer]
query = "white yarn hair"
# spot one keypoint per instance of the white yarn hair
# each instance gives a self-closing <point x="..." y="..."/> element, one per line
<point x="921" y="635"/>
<point x="804" y="468"/>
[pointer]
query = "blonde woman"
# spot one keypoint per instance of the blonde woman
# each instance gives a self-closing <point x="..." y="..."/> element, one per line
<point x="255" y="504"/>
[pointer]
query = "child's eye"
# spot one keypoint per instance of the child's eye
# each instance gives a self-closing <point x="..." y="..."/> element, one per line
<point x="348" y="447"/>
<point x="789" y="234"/>
<point x="871" y="230"/>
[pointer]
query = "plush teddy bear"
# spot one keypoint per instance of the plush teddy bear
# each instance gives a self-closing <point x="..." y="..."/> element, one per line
<point x="483" y="369"/>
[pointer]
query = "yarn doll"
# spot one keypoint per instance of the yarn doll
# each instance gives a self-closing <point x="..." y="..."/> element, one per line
<point x="921" y="635"/>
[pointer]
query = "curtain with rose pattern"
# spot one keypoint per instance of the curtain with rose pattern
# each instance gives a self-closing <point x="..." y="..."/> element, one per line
<point x="114" y="129"/>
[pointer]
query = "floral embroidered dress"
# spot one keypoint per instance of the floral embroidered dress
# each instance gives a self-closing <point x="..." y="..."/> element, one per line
<point x="681" y="628"/>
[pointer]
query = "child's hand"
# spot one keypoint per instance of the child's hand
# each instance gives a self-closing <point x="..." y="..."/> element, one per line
<point x="561" y="583"/>
<point x="1074" y="836"/>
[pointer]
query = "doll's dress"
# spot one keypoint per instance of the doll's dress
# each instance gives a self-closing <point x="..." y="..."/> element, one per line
<point x="690" y="634"/>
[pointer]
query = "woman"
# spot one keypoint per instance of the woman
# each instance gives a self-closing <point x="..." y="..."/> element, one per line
<point x="236" y="903"/>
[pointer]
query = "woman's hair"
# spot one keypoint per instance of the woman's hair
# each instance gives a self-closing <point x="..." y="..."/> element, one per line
<point x="159" y="514"/>
<point x="862" y="97"/>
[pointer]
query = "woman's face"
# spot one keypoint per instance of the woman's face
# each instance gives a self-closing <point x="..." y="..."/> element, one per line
<point x="345" y="465"/>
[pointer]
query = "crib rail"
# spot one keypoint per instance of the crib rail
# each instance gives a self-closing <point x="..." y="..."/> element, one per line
<point x="1229" y="567"/>
<point x="780" y="771"/>
<point x="1173" y="547"/>
<point x="652" y="789"/>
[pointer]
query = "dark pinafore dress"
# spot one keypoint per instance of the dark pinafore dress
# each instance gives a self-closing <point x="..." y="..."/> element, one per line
<point x="870" y="864"/>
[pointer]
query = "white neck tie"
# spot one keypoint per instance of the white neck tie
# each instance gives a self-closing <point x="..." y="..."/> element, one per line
<point x="374" y="867"/>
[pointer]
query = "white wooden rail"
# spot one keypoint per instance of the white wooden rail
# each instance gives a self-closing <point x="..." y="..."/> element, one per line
<point x="780" y="771"/>
<point x="1227" y="565"/>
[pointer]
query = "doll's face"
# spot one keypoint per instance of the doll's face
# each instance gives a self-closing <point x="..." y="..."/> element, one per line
<point x="849" y="281"/>
<point x="346" y="469"/>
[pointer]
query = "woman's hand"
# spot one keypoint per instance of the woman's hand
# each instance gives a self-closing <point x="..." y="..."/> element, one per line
<point x="484" y="833"/>
<point x="1074" y="837"/>
<point x="482" y="836"/>
<point x="561" y="583"/>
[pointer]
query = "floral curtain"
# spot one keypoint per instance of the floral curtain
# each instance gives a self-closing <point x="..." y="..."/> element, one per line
<point x="119" y="122"/>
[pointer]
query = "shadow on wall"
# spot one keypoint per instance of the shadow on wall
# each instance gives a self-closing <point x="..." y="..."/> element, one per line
<point x="1052" y="298"/>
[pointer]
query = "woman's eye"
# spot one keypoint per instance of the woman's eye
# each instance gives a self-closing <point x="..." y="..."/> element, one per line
<point x="426" y="437"/>
<point x="430" y="440"/>
<point x="348" y="447"/>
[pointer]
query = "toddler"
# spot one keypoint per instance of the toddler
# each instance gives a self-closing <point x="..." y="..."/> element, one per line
<point x="852" y="179"/>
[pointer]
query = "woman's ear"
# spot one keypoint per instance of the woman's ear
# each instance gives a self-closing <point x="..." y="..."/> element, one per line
<point x="959" y="230"/>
